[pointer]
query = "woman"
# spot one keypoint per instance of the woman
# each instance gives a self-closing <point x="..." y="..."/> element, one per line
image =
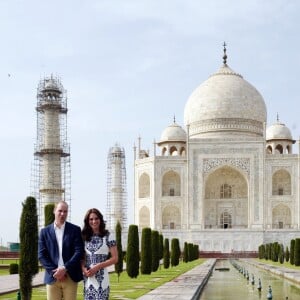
<point x="100" y="252"/>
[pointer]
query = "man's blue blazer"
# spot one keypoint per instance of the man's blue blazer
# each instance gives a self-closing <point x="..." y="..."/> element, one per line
<point x="72" y="251"/>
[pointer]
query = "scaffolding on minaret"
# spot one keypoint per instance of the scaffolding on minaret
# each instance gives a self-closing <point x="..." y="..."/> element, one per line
<point x="51" y="172"/>
<point x="116" y="209"/>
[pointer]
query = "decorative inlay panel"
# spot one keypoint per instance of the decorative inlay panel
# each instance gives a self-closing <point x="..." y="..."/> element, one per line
<point x="240" y="163"/>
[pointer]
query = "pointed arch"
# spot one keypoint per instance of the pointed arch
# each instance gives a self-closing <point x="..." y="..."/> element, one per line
<point x="226" y="199"/>
<point x="171" y="217"/>
<point x="281" y="183"/>
<point x="164" y="151"/>
<point x="281" y="217"/>
<point x="279" y="149"/>
<point x="144" y="186"/>
<point x="269" y="150"/>
<point x="171" y="184"/>
<point x="173" y="151"/>
<point x="182" y="151"/>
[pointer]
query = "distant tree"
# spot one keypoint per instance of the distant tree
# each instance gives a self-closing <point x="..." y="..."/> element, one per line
<point x="161" y="246"/>
<point x="28" y="247"/>
<point x="49" y="215"/>
<point x="166" y="254"/>
<point x="292" y="252"/>
<point x="275" y="251"/>
<point x="270" y="251"/>
<point x="287" y="254"/>
<point x="175" y="252"/>
<point x="263" y="251"/>
<point x="281" y="254"/>
<point x="132" y="253"/>
<point x="190" y="251"/>
<point x="155" y="250"/>
<point x="119" y="264"/>
<point x="146" y="251"/>
<point x="185" y="252"/>
<point x="196" y="247"/>
<point x="297" y="252"/>
<point x="13" y="268"/>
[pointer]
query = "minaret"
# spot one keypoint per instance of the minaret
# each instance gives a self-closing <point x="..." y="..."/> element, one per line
<point x="52" y="151"/>
<point x="116" y="188"/>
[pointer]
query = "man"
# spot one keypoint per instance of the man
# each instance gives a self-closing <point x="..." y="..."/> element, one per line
<point x="60" y="252"/>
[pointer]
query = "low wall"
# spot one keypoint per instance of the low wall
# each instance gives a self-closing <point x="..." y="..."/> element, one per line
<point x="9" y="254"/>
<point x="234" y="254"/>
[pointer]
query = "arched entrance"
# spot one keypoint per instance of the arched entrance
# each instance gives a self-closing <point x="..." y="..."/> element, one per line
<point x="226" y="199"/>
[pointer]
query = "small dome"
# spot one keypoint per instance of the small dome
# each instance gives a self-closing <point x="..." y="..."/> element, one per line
<point x="52" y="84"/>
<point x="225" y="102"/>
<point x="173" y="133"/>
<point x="278" y="131"/>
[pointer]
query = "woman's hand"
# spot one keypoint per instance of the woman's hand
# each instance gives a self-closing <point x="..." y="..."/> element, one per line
<point x="92" y="270"/>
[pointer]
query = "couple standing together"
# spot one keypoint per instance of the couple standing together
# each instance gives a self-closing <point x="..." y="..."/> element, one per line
<point x="70" y="254"/>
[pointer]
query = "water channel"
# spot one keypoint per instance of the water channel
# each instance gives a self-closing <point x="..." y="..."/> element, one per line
<point x="231" y="284"/>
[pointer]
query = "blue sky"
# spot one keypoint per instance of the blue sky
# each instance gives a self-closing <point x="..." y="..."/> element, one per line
<point x="128" y="68"/>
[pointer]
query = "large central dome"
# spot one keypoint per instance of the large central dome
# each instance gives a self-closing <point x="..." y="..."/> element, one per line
<point x="225" y="105"/>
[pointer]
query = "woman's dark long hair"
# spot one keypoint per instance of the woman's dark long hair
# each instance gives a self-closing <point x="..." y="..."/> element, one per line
<point x="87" y="231"/>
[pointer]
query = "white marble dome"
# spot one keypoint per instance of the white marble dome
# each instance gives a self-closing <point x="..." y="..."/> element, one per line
<point x="278" y="131"/>
<point x="173" y="132"/>
<point x="225" y="104"/>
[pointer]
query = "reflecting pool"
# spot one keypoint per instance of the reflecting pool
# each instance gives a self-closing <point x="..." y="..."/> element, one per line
<point x="230" y="283"/>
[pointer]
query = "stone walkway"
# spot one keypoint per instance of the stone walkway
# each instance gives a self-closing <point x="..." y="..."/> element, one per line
<point x="291" y="274"/>
<point x="187" y="286"/>
<point x="10" y="283"/>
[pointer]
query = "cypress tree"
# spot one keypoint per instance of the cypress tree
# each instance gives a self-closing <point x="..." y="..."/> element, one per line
<point x="28" y="247"/>
<point x="119" y="264"/>
<point x="161" y="246"/>
<point x="196" y="251"/>
<point x="49" y="215"/>
<point x="132" y="253"/>
<point x="287" y="254"/>
<point x="292" y="252"/>
<point x="166" y="254"/>
<point x="297" y="252"/>
<point x="190" y="251"/>
<point x="155" y="250"/>
<point x="146" y="251"/>
<point x="263" y="251"/>
<point x="270" y="251"/>
<point x="281" y="254"/>
<point x="185" y="252"/>
<point x="175" y="252"/>
<point x="275" y="251"/>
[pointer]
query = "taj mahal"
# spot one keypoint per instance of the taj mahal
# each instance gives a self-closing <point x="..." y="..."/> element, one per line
<point x="224" y="181"/>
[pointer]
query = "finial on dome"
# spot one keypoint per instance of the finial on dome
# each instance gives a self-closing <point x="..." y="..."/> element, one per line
<point x="277" y="117"/>
<point x="174" y="120"/>
<point x="225" y="55"/>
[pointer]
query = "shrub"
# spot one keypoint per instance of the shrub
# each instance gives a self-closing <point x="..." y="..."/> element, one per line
<point x="132" y="253"/>
<point x="292" y="252"/>
<point x="28" y="247"/>
<point x="13" y="268"/>
<point x="287" y="254"/>
<point x="166" y="254"/>
<point x="297" y="252"/>
<point x="119" y="264"/>
<point x="146" y="251"/>
<point x="175" y="252"/>
<point x="155" y="250"/>
<point x="185" y="252"/>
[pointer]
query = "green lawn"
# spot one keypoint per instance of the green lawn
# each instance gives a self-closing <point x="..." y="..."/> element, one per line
<point x="126" y="287"/>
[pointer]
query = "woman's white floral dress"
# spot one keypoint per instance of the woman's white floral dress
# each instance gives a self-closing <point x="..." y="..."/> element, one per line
<point x="97" y="250"/>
